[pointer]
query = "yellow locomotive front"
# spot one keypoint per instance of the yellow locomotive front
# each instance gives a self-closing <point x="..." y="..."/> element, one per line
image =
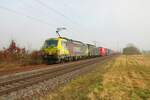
<point x="54" y="49"/>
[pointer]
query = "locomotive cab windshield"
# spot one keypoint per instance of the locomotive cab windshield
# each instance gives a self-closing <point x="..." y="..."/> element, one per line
<point x="50" y="43"/>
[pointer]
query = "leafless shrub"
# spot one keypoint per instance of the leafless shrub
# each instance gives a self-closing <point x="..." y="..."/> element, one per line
<point x="15" y="54"/>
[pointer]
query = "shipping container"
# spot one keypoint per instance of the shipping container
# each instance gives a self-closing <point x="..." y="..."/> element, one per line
<point x="102" y="51"/>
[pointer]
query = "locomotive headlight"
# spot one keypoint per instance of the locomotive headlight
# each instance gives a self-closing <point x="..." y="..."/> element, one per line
<point x="50" y="53"/>
<point x="57" y="52"/>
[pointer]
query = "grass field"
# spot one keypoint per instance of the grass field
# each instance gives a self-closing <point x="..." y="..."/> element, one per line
<point x="123" y="78"/>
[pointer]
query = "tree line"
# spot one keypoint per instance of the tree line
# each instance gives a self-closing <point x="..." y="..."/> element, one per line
<point x="131" y="49"/>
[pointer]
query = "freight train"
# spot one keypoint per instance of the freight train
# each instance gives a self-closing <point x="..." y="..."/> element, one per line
<point x="61" y="49"/>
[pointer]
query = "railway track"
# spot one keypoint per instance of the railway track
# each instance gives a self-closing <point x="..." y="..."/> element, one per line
<point x="13" y="84"/>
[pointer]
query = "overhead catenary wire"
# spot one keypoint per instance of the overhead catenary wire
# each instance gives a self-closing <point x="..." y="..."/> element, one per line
<point x="39" y="11"/>
<point x="27" y="16"/>
<point x="55" y="11"/>
<point x="61" y="14"/>
<point x="35" y="18"/>
<point x="29" y="5"/>
<point x="69" y="28"/>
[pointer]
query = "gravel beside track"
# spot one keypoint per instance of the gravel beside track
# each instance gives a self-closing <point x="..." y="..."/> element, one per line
<point x="32" y="84"/>
<point x="5" y="71"/>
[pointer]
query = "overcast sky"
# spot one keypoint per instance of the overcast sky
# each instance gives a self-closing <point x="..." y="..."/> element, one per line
<point x="111" y="23"/>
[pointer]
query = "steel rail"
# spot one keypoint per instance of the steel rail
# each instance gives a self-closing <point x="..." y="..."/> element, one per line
<point x="20" y="83"/>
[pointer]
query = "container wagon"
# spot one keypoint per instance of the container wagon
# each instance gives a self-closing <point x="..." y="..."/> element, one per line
<point x="102" y="51"/>
<point x="92" y="51"/>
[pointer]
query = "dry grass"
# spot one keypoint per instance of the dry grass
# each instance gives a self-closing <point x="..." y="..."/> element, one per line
<point x="128" y="79"/>
<point x="124" y="78"/>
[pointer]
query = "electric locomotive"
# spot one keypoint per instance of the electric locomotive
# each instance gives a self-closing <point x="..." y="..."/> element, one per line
<point x="62" y="49"/>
